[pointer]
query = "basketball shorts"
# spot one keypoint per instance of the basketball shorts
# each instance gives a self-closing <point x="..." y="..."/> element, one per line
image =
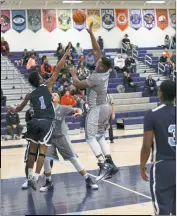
<point x="39" y="130"/>
<point x="64" y="147"/>
<point x="27" y="153"/>
<point x="97" y="121"/>
<point x="163" y="187"/>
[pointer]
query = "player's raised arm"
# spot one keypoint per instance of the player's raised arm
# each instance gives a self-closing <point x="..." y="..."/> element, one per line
<point x="95" y="45"/>
<point x="50" y="82"/>
<point x="23" y="104"/>
<point x="76" y="82"/>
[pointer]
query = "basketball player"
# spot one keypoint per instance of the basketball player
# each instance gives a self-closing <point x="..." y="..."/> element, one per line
<point x="97" y="120"/>
<point x="60" y="141"/>
<point x="160" y="136"/>
<point x="39" y="129"/>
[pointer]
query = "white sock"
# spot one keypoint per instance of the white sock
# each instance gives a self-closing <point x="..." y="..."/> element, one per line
<point x="48" y="178"/>
<point x="95" y="146"/>
<point x="30" y="172"/>
<point x="100" y="158"/>
<point x="86" y="175"/>
<point x="37" y="176"/>
<point x="104" y="146"/>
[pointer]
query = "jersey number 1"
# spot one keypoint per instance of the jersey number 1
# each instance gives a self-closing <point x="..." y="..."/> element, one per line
<point x="172" y="140"/>
<point x="41" y="99"/>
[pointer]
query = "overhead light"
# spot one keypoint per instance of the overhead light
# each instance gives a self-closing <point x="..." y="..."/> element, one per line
<point x="155" y="2"/>
<point x="74" y="2"/>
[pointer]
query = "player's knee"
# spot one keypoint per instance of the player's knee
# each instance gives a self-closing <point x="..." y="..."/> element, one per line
<point x="90" y="139"/>
<point x="99" y="136"/>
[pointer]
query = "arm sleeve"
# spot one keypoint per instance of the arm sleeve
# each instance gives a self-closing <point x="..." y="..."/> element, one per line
<point x="148" y="121"/>
<point x="66" y="110"/>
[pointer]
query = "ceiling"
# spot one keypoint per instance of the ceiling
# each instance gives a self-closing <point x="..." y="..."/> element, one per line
<point x="59" y="3"/>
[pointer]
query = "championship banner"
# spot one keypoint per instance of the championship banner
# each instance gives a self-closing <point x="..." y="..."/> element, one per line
<point x="49" y="19"/>
<point x="64" y="19"/>
<point x="107" y="17"/>
<point x="93" y="15"/>
<point x="172" y="15"/>
<point x="149" y="18"/>
<point x="34" y="20"/>
<point x="122" y="18"/>
<point x="18" y="20"/>
<point x="135" y="18"/>
<point x="162" y="18"/>
<point x="79" y="27"/>
<point x="5" y="20"/>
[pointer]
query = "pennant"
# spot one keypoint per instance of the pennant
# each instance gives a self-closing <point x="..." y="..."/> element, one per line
<point x="79" y="27"/>
<point x="172" y="15"/>
<point x="64" y="19"/>
<point x="122" y="18"/>
<point x="149" y="18"/>
<point x="18" y="20"/>
<point x="34" y="20"/>
<point x="135" y="18"/>
<point x="107" y="17"/>
<point x="93" y="15"/>
<point x="49" y="19"/>
<point x="5" y="20"/>
<point x="162" y="18"/>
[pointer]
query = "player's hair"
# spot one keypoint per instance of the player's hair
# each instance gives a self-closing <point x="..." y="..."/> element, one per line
<point x="106" y="63"/>
<point x="168" y="89"/>
<point x="34" y="79"/>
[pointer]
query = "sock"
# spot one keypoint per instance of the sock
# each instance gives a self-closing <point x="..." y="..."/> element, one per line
<point x="37" y="176"/>
<point x="100" y="158"/>
<point x="86" y="175"/>
<point x="48" y="178"/>
<point x="105" y="147"/>
<point x="30" y="172"/>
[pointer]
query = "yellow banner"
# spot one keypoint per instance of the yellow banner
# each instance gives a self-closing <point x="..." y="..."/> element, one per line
<point x="93" y="15"/>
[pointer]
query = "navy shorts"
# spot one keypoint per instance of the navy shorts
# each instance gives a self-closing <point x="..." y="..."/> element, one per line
<point x="28" y="151"/>
<point x="39" y="130"/>
<point x="163" y="187"/>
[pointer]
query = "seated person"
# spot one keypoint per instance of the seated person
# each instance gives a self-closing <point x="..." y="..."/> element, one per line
<point x="173" y="58"/>
<point x="100" y="43"/>
<point x="60" y="46"/>
<point x="167" y="41"/>
<point x="79" y="50"/>
<point x="126" y="43"/>
<point x="168" y="68"/>
<point x="167" y="53"/>
<point x="119" y="63"/>
<point x="4" y="46"/>
<point x="130" y="64"/>
<point x="46" y="69"/>
<point x="33" y="53"/>
<point x="3" y="98"/>
<point x="72" y="50"/>
<point x="69" y="65"/>
<point x="128" y="83"/>
<point x="163" y="58"/>
<point x="70" y="58"/>
<point x="90" y="61"/>
<point x="31" y="62"/>
<point x="25" y="57"/>
<point x="60" y="54"/>
<point x="82" y="72"/>
<point x="81" y="61"/>
<point x="13" y="122"/>
<point x="150" y="86"/>
<point x="63" y="83"/>
<point x="68" y="100"/>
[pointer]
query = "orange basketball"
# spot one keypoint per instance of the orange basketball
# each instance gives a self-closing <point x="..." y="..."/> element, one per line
<point x="79" y="16"/>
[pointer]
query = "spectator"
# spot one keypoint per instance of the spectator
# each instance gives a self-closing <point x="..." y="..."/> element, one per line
<point x="174" y="42"/>
<point x="31" y="62"/>
<point x="46" y="69"/>
<point x="168" y="68"/>
<point x="68" y="100"/>
<point x="13" y="122"/>
<point x="64" y="83"/>
<point x="111" y="102"/>
<point x="25" y="57"/>
<point x="126" y="43"/>
<point x="163" y="58"/>
<point x="150" y="86"/>
<point x="90" y="61"/>
<point x="100" y="43"/>
<point x="128" y="83"/>
<point x="82" y="72"/>
<point x="81" y="61"/>
<point x="60" y="54"/>
<point x="70" y="58"/>
<point x="33" y="53"/>
<point x="79" y="50"/>
<point x="167" y="53"/>
<point x="119" y="63"/>
<point x="167" y="41"/>
<point x="4" y="46"/>
<point x="72" y="50"/>
<point x="173" y="58"/>
<point x="3" y="98"/>
<point x="60" y="46"/>
<point x="130" y="64"/>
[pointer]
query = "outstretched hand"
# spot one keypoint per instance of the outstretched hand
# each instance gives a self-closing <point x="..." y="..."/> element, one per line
<point x="90" y="28"/>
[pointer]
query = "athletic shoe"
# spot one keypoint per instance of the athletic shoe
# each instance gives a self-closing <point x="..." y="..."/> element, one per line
<point x="90" y="184"/>
<point x="105" y="170"/>
<point x="32" y="181"/>
<point x="48" y="186"/>
<point x="114" y="169"/>
<point x="25" y="185"/>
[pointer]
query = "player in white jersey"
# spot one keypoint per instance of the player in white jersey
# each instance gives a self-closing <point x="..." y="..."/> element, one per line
<point x="97" y="120"/>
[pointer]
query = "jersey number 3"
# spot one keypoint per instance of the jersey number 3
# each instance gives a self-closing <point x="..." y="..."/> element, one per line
<point x="172" y="140"/>
<point x="41" y="99"/>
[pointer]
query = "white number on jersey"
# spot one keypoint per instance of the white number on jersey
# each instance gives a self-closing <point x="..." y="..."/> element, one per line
<point x="41" y="99"/>
<point x="172" y="140"/>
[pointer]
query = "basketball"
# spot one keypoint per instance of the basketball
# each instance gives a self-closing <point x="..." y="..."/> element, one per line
<point x="79" y="16"/>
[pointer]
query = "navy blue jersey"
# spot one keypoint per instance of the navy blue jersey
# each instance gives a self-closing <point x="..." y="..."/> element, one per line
<point x="162" y="120"/>
<point x="41" y="100"/>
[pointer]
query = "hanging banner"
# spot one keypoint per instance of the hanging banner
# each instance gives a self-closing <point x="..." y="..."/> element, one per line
<point x="5" y="20"/>
<point x="122" y="18"/>
<point x="172" y="15"/>
<point x="64" y="19"/>
<point x="162" y="18"/>
<point x="34" y="20"/>
<point x="79" y="27"/>
<point x="107" y="17"/>
<point x="18" y="20"/>
<point x="49" y="19"/>
<point x="149" y="18"/>
<point x="135" y="18"/>
<point x="93" y="15"/>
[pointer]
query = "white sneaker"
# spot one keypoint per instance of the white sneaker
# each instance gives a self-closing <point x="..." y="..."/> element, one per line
<point x="25" y="185"/>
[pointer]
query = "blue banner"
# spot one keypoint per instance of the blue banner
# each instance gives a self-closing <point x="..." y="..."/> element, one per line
<point x="135" y="18"/>
<point x="18" y="20"/>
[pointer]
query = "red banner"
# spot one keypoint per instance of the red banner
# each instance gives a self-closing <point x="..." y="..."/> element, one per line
<point x="5" y="20"/>
<point x="122" y="18"/>
<point x="162" y="18"/>
<point x="49" y="19"/>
